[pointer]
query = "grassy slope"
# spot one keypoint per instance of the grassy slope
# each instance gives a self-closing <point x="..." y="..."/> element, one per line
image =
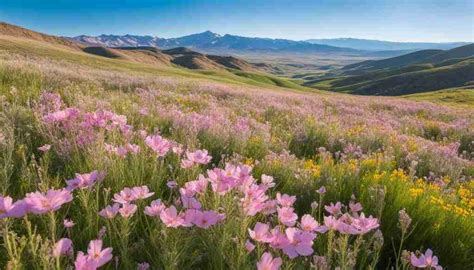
<point x="63" y="53"/>
<point x="404" y="81"/>
<point x="463" y="97"/>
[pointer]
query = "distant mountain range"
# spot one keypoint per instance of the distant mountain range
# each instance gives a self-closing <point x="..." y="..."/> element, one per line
<point x="421" y="71"/>
<point x="380" y="45"/>
<point x="209" y="41"/>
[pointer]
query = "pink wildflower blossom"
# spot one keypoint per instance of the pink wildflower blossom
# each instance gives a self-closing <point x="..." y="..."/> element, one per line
<point x="143" y="266"/>
<point x="141" y="193"/>
<point x="85" y="180"/>
<point x="155" y="208"/>
<point x="426" y="260"/>
<point x="110" y="211"/>
<point x="171" y="184"/>
<point x="333" y="209"/>
<point x="196" y="157"/>
<point x="97" y="254"/>
<point x="268" y="181"/>
<point x="6" y="204"/>
<point x="159" y="145"/>
<point x="127" y="210"/>
<point x="170" y="217"/>
<point x="62" y="247"/>
<point x="249" y="246"/>
<point x="261" y="233"/>
<point x="126" y="195"/>
<point x="355" y="207"/>
<point x="321" y="190"/>
<point x="287" y="216"/>
<point x="300" y="243"/>
<point x="285" y="200"/>
<point x="267" y="262"/>
<point x="52" y="200"/>
<point x="364" y="225"/>
<point x="45" y="148"/>
<point x="206" y="219"/>
<point x="68" y="223"/>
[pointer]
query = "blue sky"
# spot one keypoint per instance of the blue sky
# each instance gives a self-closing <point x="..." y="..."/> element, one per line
<point x="396" y="20"/>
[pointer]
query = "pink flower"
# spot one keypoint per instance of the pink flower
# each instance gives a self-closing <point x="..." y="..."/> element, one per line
<point x="355" y="207"/>
<point x="285" y="200"/>
<point x="333" y="209"/>
<point x="97" y="254"/>
<point x="143" y="133"/>
<point x="45" y="148"/>
<point x="170" y="217"/>
<point x="269" y="207"/>
<point x="68" y="223"/>
<point x="287" y="216"/>
<point x="190" y="202"/>
<point x="186" y="164"/>
<point x="155" y="208"/>
<point x="84" y="262"/>
<point x="126" y="195"/>
<point x="85" y="180"/>
<point x="300" y="243"/>
<point x="267" y="181"/>
<point x="6" y="204"/>
<point x="143" y="266"/>
<point x="331" y="223"/>
<point x="308" y="223"/>
<point x="62" y="247"/>
<point x="177" y="149"/>
<point x="193" y="187"/>
<point x="321" y="190"/>
<point x="127" y="210"/>
<point x="249" y="246"/>
<point x="141" y="193"/>
<point x="121" y="151"/>
<point x="143" y="111"/>
<point x="52" y="200"/>
<point x="206" y="219"/>
<point x="110" y="211"/>
<point x="61" y="116"/>
<point x="279" y="240"/>
<point x="346" y="228"/>
<point x="159" y="145"/>
<point x="171" y="184"/>
<point x="17" y="210"/>
<point x="364" y="225"/>
<point x="254" y="200"/>
<point x="267" y="262"/>
<point x="426" y="260"/>
<point x="260" y="233"/>
<point x="196" y="157"/>
<point x="133" y="148"/>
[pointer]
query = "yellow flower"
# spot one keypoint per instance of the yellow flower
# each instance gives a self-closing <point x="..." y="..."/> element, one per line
<point x="248" y="161"/>
<point x="314" y="168"/>
<point x="399" y="175"/>
<point x="415" y="192"/>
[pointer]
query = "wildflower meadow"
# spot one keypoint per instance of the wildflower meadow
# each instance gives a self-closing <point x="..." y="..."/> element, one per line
<point x="111" y="169"/>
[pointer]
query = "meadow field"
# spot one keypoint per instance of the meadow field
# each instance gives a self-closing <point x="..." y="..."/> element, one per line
<point x="116" y="165"/>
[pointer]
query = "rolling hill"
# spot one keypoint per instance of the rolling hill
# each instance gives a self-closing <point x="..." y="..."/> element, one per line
<point x="144" y="61"/>
<point x="417" y="72"/>
<point x="418" y="57"/>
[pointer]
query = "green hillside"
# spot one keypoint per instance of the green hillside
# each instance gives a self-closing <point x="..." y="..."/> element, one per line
<point x="422" y="71"/>
<point x="454" y="96"/>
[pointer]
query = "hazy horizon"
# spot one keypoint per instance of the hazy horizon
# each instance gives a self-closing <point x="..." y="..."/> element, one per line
<point x="384" y="20"/>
